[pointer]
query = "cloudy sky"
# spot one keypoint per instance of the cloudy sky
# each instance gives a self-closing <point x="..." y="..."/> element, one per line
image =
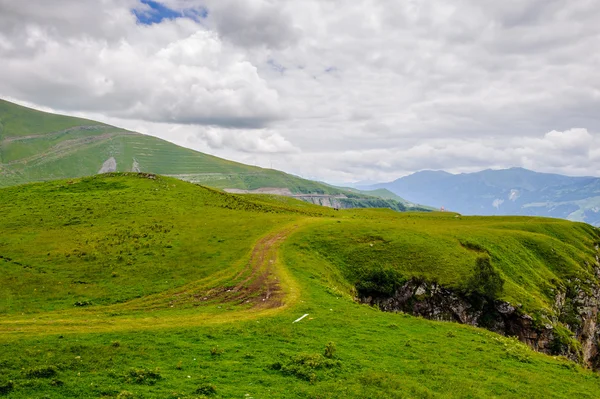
<point x="336" y="90"/>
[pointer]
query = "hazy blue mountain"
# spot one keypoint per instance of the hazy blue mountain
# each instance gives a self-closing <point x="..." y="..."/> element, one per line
<point x="514" y="191"/>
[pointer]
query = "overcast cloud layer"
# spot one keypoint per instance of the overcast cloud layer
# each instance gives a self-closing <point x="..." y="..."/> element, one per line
<point x="327" y="89"/>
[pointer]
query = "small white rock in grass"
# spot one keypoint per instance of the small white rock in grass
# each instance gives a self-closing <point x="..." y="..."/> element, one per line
<point x="300" y="318"/>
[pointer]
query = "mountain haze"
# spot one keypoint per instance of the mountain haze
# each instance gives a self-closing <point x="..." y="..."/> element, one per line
<point x="514" y="191"/>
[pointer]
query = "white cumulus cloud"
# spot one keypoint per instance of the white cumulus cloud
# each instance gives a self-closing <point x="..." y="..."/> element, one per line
<point x="327" y="89"/>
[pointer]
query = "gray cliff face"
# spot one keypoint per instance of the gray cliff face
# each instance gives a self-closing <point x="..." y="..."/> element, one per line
<point x="330" y="201"/>
<point x="582" y="315"/>
<point x="572" y="331"/>
<point x="110" y="165"/>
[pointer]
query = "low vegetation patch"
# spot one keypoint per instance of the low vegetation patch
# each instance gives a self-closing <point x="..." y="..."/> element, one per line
<point x="305" y="366"/>
<point x="126" y="395"/>
<point x="216" y="351"/>
<point x="486" y="280"/>
<point x="206" y="389"/>
<point x="143" y="376"/>
<point x="6" y="386"/>
<point x="41" y="372"/>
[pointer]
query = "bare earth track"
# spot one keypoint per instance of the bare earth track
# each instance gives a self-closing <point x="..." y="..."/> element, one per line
<point x="263" y="287"/>
<point x="258" y="284"/>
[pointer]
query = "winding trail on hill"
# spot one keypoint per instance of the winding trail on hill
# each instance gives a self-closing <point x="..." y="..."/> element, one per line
<point x="257" y="285"/>
<point x="264" y="287"/>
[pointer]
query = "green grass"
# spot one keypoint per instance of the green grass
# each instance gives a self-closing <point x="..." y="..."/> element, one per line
<point x="117" y="286"/>
<point x="37" y="146"/>
<point x="21" y="121"/>
<point x="107" y="253"/>
<point x="533" y="255"/>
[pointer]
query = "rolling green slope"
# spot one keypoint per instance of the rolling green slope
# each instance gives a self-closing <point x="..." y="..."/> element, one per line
<point x="38" y="146"/>
<point x="143" y="286"/>
<point x="21" y="122"/>
<point x="380" y="192"/>
<point x="534" y="256"/>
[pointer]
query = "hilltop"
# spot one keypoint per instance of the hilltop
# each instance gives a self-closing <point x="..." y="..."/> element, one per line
<point x="162" y="288"/>
<point x="39" y="146"/>
<point x="514" y="191"/>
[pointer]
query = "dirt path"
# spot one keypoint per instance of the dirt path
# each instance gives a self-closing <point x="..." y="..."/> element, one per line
<point x="258" y="283"/>
<point x="264" y="286"/>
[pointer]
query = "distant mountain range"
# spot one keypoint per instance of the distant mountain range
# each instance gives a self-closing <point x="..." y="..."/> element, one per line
<point x="514" y="191"/>
<point x="39" y="146"/>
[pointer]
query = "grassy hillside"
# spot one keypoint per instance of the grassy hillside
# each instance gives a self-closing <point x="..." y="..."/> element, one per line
<point x="534" y="256"/>
<point x="141" y="286"/>
<point x="17" y="121"/>
<point x="37" y="146"/>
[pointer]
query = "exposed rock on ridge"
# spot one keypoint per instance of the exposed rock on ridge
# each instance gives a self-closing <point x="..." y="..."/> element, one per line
<point x="331" y="201"/>
<point x="572" y="330"/>
<point x="109" y="166"/>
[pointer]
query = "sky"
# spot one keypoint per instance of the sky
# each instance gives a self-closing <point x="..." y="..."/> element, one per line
<point x="334" y="90"/>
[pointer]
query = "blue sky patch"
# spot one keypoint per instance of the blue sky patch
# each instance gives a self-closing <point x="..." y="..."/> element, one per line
<point x="155" y="13"/>
<point x="276" y="66"/>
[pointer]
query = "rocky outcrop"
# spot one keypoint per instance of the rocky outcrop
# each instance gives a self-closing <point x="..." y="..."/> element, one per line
<point x="337" y="201"/>
<point x="136" y="166"/>
<point x="330" y="201"/>
<point x="263" y="190"/>
<point x="109" y="166"/>
<point x="434" y="302"/>
<point x="572" y="330"/>
<point x="579" y="311"/>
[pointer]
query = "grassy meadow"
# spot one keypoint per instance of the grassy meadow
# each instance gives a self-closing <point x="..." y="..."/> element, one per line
<point x="37" y="146"/>
<point x="142" y="286"/>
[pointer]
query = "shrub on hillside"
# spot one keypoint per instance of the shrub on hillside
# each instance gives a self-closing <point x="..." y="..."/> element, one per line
<point x="330" y="350"/>
<point x="125" y="395"/>
<point x="206" y="389"/>
<point x="6" y="387"/>
<point x="143" y="376"/>
<point x="486" y="280"/>
<point x="379" y="282"/>
<point x="41" y="372"/>
<point x="564" y="342"/>
<point x="216" y="351"/>
<point x="304" y="366"/>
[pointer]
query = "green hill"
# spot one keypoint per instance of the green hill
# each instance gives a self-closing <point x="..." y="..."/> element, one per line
<point x="143" y="286"/>
<point x="386" y="194"/>
<point x="38" y="146"/>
